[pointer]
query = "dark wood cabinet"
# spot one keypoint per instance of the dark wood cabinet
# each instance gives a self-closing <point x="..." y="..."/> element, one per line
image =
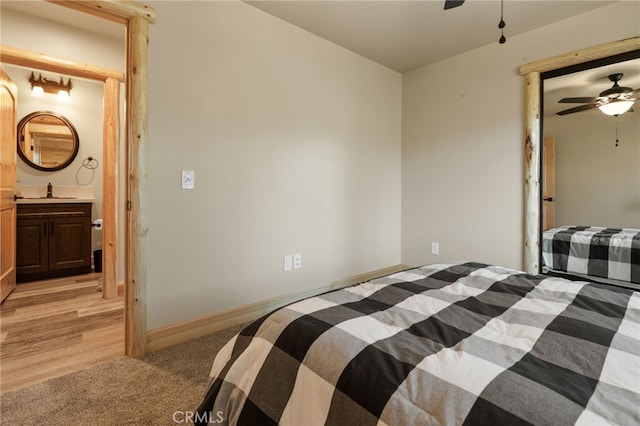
<point x="52" y="240"/>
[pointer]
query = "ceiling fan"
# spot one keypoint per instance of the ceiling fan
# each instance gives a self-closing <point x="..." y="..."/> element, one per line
<point x="450" y="4"/>
<point x="613" y="101"/>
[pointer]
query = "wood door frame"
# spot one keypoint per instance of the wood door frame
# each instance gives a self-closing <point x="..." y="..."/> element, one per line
<point x="9" y="93"/>
<point x="532" y="191"/>
<point x="136" y="18"/>
<point x="548" y="182"/>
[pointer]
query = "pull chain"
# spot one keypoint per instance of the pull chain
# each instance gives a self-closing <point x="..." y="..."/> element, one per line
<point x="502" y="24"/>
<point x="617" y="131"/>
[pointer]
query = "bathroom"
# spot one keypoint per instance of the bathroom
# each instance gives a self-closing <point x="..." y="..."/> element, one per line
<point x="49" y="166"/>
<point x="83" y="110"/>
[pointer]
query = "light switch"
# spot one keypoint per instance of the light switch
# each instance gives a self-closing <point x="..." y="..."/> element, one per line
<point x="435" y="248"/>
<point x="188" y="179"/>
<point x="287" y="263"/>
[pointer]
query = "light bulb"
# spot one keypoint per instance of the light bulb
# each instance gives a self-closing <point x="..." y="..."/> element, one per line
<point x="616" y="107"/>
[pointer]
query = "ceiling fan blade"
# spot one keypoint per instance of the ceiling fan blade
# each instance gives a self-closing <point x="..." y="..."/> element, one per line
<point x="450" y="4"/>
<point x="577" y="109"/>
<point x="576" y="100"/>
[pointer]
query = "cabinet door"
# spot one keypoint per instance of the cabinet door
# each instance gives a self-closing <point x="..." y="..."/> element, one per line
<point x="70" y="243"/>
<point x="32" y="246"/>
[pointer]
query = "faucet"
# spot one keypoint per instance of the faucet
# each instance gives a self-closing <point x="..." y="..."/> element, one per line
<point x="49" y="191"/>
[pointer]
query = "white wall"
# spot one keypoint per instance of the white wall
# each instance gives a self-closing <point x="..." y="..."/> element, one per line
<point x="295" y="144"/>
<point x="84" y="107"/>
<point x="597" y="183"/>
<point x="41" y="35"/>
<point x="463" y="133"/>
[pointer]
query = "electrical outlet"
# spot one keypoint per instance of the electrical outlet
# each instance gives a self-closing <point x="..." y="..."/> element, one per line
<point x="297" y="261"/>
<point x="287" y="263"/>
<point x="435" y="248"/>
<point x="188" y="179"/>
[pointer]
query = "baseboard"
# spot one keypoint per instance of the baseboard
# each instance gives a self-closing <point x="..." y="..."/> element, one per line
<point x="173" y="334"/>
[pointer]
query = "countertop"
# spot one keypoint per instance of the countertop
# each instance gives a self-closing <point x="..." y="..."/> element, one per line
<point x="54" y="200"/>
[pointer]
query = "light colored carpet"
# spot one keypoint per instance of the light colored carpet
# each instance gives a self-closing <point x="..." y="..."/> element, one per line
<point x="153" y="390"/>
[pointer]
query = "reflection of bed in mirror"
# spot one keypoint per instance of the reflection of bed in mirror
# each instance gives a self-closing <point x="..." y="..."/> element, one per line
<point x="610" y="255"/>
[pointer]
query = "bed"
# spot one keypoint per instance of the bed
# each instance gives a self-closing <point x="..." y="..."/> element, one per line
<point x="611" y="253"/>
<point x="444" y="344"/>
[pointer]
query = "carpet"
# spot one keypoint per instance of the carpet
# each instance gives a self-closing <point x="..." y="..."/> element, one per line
<point x="160" y="388"/>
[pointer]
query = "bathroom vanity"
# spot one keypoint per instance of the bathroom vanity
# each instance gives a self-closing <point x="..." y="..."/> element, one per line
<point x="53" y="238"/>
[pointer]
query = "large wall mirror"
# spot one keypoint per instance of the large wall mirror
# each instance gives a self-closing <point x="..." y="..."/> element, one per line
<point x="591" y="160"/>
<point x="47" y="141"/>
<point x="596" y="182"/>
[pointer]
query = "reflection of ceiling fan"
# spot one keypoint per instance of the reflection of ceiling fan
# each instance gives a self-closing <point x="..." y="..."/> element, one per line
<point x="450" y="4"/>
<point x="614" y="101"/>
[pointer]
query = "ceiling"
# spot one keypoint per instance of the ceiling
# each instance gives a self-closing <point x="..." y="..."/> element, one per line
<point x="402" y="35"/>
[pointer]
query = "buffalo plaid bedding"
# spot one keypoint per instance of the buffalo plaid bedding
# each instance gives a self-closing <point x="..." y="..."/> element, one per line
<point x="600" y="252"/>
<point x="464" y="343"/>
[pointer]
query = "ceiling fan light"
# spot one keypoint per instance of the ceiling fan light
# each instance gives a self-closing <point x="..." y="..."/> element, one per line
<point x="616" y="107"/>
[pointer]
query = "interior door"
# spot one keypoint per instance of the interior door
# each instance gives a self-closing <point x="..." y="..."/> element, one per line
<point x="8" y="99"/>
<point x="548" y="183"/>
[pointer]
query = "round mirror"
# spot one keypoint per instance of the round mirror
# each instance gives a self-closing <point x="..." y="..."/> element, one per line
<point x="47" y="141"/>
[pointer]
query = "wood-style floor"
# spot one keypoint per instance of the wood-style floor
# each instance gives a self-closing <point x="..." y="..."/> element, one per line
<point x="54" y="327"/>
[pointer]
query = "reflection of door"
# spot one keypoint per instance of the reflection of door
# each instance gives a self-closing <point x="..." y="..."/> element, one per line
<point x="548" y="183"/>
<point x="7" y="185"/>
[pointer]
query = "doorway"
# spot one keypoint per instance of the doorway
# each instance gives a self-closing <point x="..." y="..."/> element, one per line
<point x="56" y="326"/>
<point x="136" y="19"/>
<point x="92" y="107"/>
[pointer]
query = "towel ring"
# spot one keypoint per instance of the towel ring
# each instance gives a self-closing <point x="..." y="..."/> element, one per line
<point x="90" y="163"/>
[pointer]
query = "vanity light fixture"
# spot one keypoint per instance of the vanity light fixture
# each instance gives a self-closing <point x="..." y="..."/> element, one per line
<point x="37" y="90"/>
<point x="43" y="85"/>
<point x="616" y="107"/>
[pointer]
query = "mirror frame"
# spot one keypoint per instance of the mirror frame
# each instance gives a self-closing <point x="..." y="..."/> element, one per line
<point x="74" y="135"/>
<point x="532" y="149"/>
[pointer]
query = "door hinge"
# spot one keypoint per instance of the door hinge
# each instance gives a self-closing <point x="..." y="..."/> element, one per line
<point x="129" y="205"/>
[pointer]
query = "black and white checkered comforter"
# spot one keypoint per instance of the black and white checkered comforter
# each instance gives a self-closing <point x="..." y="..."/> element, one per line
<point x="448" y="344"/>
<point x="612" y="253"/>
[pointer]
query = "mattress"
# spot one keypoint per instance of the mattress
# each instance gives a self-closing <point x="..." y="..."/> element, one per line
<point x="445" y="344"/>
